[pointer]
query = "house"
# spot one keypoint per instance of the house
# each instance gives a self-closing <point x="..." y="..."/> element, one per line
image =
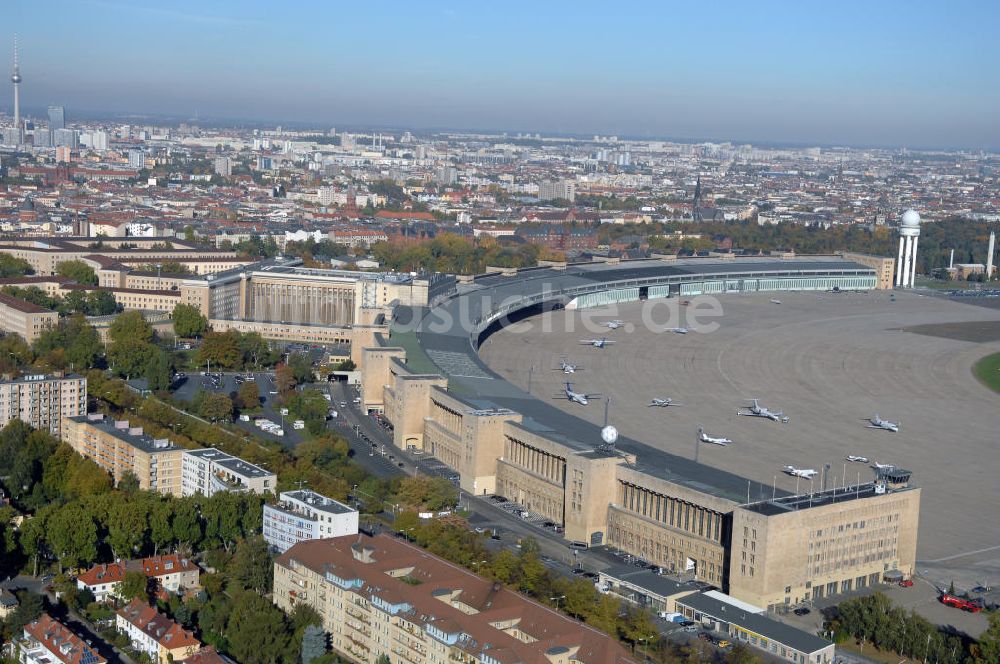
<point x="171" y="571"/>
<point x="155" y="634"/>
<point x="46" y="641"/>
<point x="102" y="580"/>
<point x="8" y="603"/>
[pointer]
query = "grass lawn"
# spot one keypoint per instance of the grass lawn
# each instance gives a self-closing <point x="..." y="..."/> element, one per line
<point x="987" y="370"/>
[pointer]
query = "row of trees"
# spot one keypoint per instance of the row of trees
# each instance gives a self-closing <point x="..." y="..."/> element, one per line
<point x="876" y="620"/>
<point x="92" y="303"/>
<point x="455" y="254"/>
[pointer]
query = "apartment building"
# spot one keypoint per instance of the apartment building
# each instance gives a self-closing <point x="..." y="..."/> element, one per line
<point x="119" y="448"/>
<point x="43" y="400"/>
<point x="155" y="634"/>
<point x="46" y="640"/>
<point x="381" y="596"/>
<point x="306" y="515"/>
<point x="28" y="320"/>
<point x="208" y="471"/>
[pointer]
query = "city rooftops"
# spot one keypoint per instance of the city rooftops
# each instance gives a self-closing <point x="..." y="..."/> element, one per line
<point x="18" y="304"/>
<point x="121" y="430"/>
<point x="235" y="465"/>
<point x="792" y="503"/>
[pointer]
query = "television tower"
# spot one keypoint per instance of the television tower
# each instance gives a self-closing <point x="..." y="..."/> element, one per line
<point x="15" y="78"/>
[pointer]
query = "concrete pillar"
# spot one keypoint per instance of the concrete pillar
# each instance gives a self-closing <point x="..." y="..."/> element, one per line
<point x="907" y="249"/>
<point x="899" y="263"/>
<point x="913" y="272"/>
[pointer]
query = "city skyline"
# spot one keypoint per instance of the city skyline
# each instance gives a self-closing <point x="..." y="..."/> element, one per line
<point x="774" y="73"/>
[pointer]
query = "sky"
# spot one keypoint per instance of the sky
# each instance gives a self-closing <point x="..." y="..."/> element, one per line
<point x="884" y="72"/>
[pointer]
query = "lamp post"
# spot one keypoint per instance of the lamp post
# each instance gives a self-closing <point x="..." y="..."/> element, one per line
<point x="557" y="600"/>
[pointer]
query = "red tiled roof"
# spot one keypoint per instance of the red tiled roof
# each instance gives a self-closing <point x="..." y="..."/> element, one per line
<point x="102" y="574"/>
<point x="157" y="626"/>
<point x="169" y="564"/>
<point x="64" y="644"/>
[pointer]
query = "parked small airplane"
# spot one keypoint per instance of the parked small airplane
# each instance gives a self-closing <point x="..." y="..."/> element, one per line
<point x="568" y="368"/>
<point x="756" y="410"/>
<point x="663" y="403"/>
<point x="807" y="473"/>
<point x="878" y="423"/>
<point x="855" y="457"/>
<point x="883" y="466"/>
<point x="775" y="301"/>
<point x="714" y="440"/>
<point x="613" y="324"/>
<point x="596" y="343"/>
<point x="677" y="330"/>
<point x="578" y="397"/>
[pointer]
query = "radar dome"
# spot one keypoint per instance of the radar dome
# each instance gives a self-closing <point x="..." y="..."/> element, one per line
<point x="609" y="434"/>
<point x="911" y="219"/>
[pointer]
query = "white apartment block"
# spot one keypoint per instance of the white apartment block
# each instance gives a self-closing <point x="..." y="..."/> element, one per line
<point x="306" y="515"/>
<point x="208" y="471"/>
<point x="43" y="400"/>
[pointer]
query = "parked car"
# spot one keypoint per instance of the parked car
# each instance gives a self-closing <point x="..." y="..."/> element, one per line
<point x="802" y="611"/>
<point x="906" y="583"/>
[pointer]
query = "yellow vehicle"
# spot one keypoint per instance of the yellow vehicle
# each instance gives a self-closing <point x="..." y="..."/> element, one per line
<point x="723" y="643"/>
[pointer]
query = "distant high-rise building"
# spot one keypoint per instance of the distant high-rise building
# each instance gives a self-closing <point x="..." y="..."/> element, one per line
<point x="57" y="117"/>
<point x="264" y="163"/>
<point x="136" y="159"/>
<point x="552" y="189"/>
<point x="42" y="137"/>
<point x="64" y="154"/>
<point x="99" y="141"/>
<point x="223" y="166"/>
<point x="66" y="138"/>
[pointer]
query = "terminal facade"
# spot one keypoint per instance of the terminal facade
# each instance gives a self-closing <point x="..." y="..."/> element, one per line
<point x="672" y="512"/>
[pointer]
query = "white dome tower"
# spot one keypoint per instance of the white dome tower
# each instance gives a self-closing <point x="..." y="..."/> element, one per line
<point x="906" y="263"/>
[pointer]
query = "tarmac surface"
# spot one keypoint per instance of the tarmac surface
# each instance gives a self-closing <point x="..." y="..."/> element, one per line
<point x="829" y="361"/>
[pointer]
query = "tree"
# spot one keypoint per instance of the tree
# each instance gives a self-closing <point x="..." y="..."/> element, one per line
<point x="14" y="267"/>
<point x="284" y="380"/>
<point x="383" y="659"/>
<point x="188" y="321"/>
<point x="78" y="271"/>
<point x="248" y="396"/>
<point x="216" y="407"/>
<point x="346" y="365"/>
<point x="301" y="367"/>
<point x="83" y="343"/>
<point x="127" y="525"/>
<point x="989" y="641"/>
<point x="741" y="654"/>
<point x="252" y="566"/>
<point x="29" y="608"/>
<point x="72" y="535"/>
<point x="313" y="643"/>
<point x="130" y="326"/>
<point x="221" y="349"/>
<point x="135" y="585"/>
<point x="257" y="630"/>
<point x="158" y="371"/>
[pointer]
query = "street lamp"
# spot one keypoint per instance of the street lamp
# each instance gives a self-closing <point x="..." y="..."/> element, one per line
<point x="557" y="599"/>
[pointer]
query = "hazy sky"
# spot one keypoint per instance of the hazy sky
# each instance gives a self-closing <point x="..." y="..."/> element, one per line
<point x="821" y="71"/>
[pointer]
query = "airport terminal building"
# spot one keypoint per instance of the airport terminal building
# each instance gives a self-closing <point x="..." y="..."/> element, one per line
<point x="427" y="380"/>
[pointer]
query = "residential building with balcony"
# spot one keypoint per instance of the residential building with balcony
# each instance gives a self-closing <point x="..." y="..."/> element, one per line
<point x="42" y="400"/>
<point x="119" y="448"/>
<point x="382" y="596"/>
<point x="306" y="515"/>
<point x="208" y="471"/>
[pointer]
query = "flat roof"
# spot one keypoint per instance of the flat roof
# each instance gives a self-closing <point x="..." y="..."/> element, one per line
<point x="446" y="336"/>
<point x="317" y="501"/>
<point x="655" y="584"/>
<point x="759" y="624"/>
<point x="233" y="464"/>
<point x="140" y="441"/>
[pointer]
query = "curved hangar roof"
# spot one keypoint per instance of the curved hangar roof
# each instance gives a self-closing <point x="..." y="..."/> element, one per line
<point x="444" y="339"/>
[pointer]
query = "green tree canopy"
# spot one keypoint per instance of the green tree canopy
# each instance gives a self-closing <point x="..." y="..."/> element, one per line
<point x="188" y="321"/>
<point x="78" y="271"/>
